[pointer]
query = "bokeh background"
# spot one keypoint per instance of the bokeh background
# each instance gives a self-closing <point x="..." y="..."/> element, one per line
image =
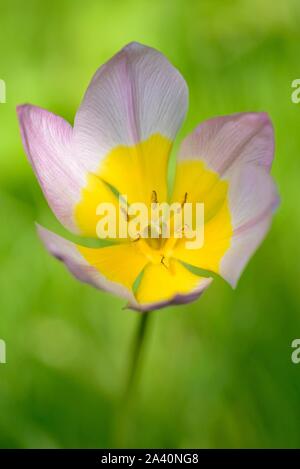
<point x="216" y="373"/>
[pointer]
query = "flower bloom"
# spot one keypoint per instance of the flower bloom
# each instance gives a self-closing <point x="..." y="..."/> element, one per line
<point x="119" y="144"/>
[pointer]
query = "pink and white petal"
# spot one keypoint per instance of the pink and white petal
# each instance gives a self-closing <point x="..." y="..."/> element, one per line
<point x="69" y="253"/>
<point x="253" y="199"/>
<point x="160" y="287"/>
<point x="178" y="299"/>
<point x="47" y="139"/>
<point x="243" y="246"/>
<point x="223" y="142"/>
<point x="136" y="94"/>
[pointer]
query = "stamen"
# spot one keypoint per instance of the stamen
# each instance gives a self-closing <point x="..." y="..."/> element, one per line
<point x="183" y="228"/>
<point x="154" y="197"/>
<point x="162" y="262"/>
<point x="137" y="238"/>
<point x="125" y="213"/>
<point x="185" y="199"/>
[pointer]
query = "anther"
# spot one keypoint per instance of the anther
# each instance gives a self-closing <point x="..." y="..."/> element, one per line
<point x="125" y="213"/>
<point x="137" y="238"/>
<point x="185" y="198"/>
<point x="154" y="197"/>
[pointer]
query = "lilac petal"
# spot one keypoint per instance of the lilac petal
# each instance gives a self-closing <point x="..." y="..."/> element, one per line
<point x="244" y="244"/>
<point x="253" y="199"/>
<point x="226" y="141"/>
<point x="240" y="149"/>
<point x="178" y="299"/>
<point x="47" y="140"/>
<point x="136" y="94"/>
<point x="161" y="286"/>
<point x="68" y="253"/>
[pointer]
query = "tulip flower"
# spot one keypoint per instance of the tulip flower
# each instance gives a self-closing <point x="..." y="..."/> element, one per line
<point x="120" y="144"/>
<point x="118" y="148"/>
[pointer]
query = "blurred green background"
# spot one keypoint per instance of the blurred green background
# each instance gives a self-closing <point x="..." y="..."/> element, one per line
<point x="218" y="372"/>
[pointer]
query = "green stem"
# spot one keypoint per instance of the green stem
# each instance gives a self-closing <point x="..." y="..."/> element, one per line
<point x="134" y="366"/>
<point x="137" y="351"/>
